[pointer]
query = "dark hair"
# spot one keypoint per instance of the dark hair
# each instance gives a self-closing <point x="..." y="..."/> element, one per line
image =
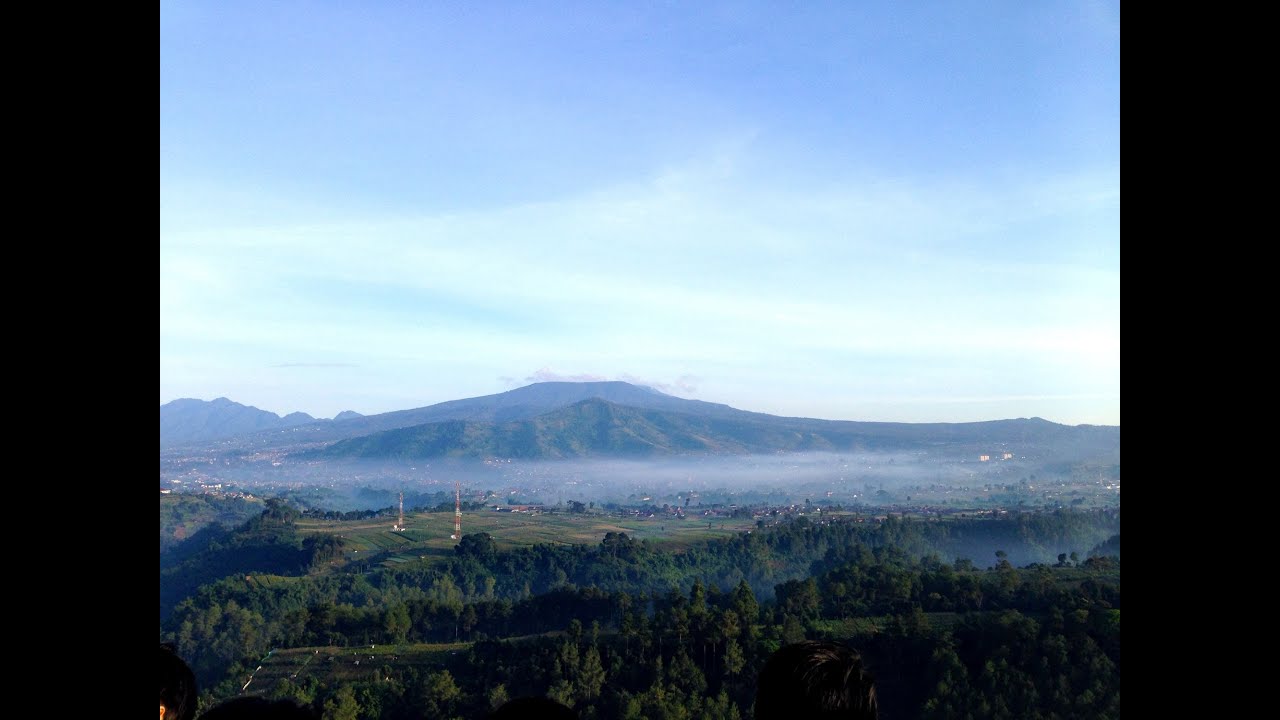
<point x="177" y="686"/>
<point x="256" y="708"/>
<point x="814" y="679"/>
<point x="533" y="707"/>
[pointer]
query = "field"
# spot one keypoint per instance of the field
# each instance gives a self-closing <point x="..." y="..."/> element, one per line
<point x="426" y="535"/>
<point x="335" y="664"/>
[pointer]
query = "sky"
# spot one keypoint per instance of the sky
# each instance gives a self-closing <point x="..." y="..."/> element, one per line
<point x="857" y="211"/>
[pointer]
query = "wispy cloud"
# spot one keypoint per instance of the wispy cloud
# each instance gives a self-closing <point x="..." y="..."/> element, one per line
<point x="785" y="206"/>
<point x="683" y="385"/>
<point x="549" y="375"/>
<point x="693" y="273"/>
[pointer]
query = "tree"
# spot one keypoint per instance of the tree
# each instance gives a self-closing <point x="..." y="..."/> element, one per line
<point x="445" y="592"/>
<point x="618" y="545"/>
<point x="591" y="676"/>
<point x="744" y="602"/>
<point x="440" y="695"/>
<point x="729" y="626"/>
<point x="796" y="597"/>
<point x="342" y="705"/>
<point x="476" y="545"/>
<point x="734" y="659"/>
<point x="468" y="619"/>
<point x="562" y="692"/>
<point x="698" y="600"/>
<point x="498" y="696"/>
<point x="397" y="622"/>
<point x="792" y="630"/>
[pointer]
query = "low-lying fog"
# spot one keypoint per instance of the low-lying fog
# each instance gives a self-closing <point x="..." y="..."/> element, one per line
<point x="824" y="478"/>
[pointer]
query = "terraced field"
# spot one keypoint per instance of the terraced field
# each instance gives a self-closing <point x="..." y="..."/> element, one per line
<point x="426" y="535"/>
<point x="332" y="664"/>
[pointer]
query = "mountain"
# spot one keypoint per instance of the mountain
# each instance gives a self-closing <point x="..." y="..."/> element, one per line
<point x="598" y="427"/>
<point x="189" y="420"/>
<point x="347" y="415"/>
<point x="539" y="398"/>
<point x="555" y="419"/>
<point x="523" y="403"/>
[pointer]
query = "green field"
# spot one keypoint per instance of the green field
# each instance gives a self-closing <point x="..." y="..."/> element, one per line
<point x="426" y="535"/>
<point x="332" y="664"/>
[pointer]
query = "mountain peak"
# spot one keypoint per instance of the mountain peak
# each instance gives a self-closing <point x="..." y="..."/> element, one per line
<point x="592" y="425"/>
<point x="192" y="420"/>
<point x="599" y="384"/>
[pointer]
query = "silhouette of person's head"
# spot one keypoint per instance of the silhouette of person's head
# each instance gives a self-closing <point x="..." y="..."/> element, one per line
<point x="533" y="708"/>
<point x="256" y="708"/>
<point x="813" y="679"/>
<point x="177" y="686"/>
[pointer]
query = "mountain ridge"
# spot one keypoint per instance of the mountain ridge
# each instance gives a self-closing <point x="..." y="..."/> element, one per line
<point x="188" y="420"/>
<point x="598" y="428"/>
<point x="532" y="401"/>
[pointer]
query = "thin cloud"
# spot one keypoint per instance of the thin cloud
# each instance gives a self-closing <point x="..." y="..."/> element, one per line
<point x="685" y="384"/>
<point x="316" y="365"/>
<point x="549" y="375"/>
<point x="899" y="302"/>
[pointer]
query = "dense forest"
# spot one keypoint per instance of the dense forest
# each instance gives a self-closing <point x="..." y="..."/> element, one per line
<point x="631" y="629"/>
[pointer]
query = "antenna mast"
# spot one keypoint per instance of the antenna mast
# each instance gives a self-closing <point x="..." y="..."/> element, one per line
<point x="457" y="511"/>
<point x="399" y="527"/>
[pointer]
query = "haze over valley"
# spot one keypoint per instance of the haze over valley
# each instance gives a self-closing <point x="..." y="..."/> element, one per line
<point x="603" y="353"/>
<point x="528" y="514"/>
<point x="554" y="442"/>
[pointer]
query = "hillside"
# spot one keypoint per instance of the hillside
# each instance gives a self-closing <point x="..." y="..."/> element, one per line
<point x="471" y="427"/>
<point x="188" y="420"/>
<point x="520" y="404"/>
<point x="597" y="427"/>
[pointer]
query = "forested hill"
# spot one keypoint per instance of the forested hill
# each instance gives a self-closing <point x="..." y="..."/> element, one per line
<point x="184" y="515"/>
<point x="266" y="543"/>
<point x="270" y="545"/>
<point x="741" y="427"/>
<point x="630" y="629"/>
<point x="188" y="420"/>
<point x="518" y="404"/>
<point x="597" y="427"/>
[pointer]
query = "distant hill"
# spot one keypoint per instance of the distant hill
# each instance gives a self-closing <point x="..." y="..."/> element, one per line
<point x="347" y="415"/>
<point x="185" y="515"/>
<point x="519" y="404"/>
<point x="1109" y="547"/>
<point x="539" y="398"/>
<point x="188" y="420"/>
<point x="598" y="427"/>
<point x="268" y="542"/>
<point x="568" y="419"/>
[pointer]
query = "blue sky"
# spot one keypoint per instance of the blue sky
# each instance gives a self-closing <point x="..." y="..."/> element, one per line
<point x="863" y="211"/>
